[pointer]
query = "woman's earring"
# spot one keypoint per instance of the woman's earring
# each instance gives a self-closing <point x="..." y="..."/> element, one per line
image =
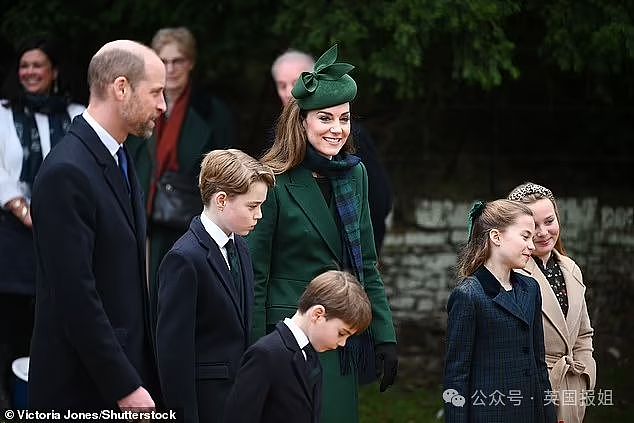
<point x="55" y="87"/>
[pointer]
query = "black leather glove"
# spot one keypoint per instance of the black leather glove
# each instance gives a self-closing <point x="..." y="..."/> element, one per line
<point x="386" y="363"/>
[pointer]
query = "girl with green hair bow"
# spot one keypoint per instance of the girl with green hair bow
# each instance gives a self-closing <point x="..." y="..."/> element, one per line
<point x="495" y="337"/>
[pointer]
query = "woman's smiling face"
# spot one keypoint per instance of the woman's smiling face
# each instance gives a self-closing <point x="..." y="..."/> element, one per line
<point x="328" y="129"/>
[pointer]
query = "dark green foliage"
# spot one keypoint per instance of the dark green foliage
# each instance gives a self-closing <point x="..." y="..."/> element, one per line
<point x="404" y="47"/>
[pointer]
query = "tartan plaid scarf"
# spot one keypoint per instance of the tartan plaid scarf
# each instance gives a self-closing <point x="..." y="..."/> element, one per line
<point x="359" y="350"/>
<point x="338" y="172"/>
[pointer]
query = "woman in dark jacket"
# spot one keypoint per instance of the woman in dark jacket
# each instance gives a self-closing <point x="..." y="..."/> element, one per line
<point x="35" y="113"/>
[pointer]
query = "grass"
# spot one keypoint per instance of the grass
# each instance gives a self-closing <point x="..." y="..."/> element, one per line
<point x="398" y="405"/>
<point x="422" y="405"/>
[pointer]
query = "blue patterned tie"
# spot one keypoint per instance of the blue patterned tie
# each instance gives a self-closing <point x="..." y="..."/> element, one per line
<point x="123" y="165"/>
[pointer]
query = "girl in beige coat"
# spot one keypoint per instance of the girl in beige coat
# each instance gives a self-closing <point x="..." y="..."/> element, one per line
<point x="567" y="330"/>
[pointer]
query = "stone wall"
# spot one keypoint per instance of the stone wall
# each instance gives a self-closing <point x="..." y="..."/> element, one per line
<point x="418" y="267"/>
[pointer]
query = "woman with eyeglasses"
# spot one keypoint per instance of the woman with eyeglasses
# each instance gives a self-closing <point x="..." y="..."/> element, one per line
<point x="194" y="124"/>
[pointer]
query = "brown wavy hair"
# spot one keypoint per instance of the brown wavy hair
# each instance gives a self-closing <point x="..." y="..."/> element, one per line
<point x="289" y="148"/>
<point x="498" y="214"/>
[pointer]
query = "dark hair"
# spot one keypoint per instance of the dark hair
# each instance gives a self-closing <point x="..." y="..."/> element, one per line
<point x="13" y="91"/>
<point x="498" y="214"/>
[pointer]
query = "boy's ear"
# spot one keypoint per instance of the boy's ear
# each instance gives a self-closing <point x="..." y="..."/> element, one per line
<point x="317" y="311"/>
<point x="219" y="200"/>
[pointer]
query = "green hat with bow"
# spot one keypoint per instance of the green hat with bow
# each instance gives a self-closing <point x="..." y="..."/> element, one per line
<point x="327" y="85"/>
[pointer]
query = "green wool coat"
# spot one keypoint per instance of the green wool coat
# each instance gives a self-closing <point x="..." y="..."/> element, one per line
<point x="298" y="239"/>
<point x="208" y="126"/>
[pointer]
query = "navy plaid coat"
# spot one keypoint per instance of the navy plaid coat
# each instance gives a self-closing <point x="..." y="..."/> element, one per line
<point x="495" y="353"/>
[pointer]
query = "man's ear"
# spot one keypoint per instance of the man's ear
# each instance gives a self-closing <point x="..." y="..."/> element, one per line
<point x="120" y="87"/>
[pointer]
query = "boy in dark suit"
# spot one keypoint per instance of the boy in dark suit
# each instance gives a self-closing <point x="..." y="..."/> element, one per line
<point x="280" y="375"/>
<point x="205" y="288"/>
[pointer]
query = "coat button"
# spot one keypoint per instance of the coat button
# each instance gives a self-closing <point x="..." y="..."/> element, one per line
<point x="527" y="372"/>
<point x="525" y="350"/>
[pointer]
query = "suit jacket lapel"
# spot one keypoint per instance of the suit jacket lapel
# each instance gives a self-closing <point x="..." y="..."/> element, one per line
<point x="82" y="130"/>
<point x="304" y="190"/>
<point x="522" y="297"/>
<point x="299" y="362"/>
<point x="505" y="302"/>
<point x="550" y="305"/>
<point x="493" y="289"/>
<point x="217" y="261"/>
<point x="245" y="259"/>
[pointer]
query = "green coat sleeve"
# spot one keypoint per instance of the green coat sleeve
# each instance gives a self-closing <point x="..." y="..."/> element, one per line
<point x="382" y="325"/>
<point x="260" y="243"/>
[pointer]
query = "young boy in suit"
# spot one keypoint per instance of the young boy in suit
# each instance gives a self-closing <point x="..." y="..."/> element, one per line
<point x="280" y="375"/>
<point x="205" y="289"/>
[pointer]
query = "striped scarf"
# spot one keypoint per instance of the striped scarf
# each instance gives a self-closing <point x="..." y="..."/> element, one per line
<point x="338" y="172"/>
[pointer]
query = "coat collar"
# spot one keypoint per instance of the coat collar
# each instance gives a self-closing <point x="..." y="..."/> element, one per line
<point x="299" y="362"/>
<point x="84" y="132"/>
<point x="494" y="290"/>
<point x="219" y="265"/>
<point x="305" y="191"/>
<point x="550" y="306"/>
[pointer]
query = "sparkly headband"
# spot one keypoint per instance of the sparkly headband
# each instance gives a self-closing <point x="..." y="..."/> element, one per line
<point x="530" y="188"/>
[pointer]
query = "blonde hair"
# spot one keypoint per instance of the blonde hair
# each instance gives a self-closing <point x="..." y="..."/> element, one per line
<point x="498" y="214"/>
<point x="289" y="148"/>
<point x="342" y="296"/>
<point x="530" y="193"/>
<point x="108" y="65"/>
<point x="231" y="171"/>
<point x="181" y="36"/>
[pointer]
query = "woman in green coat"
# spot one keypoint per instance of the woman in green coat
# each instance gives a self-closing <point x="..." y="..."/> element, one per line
<point x="315" y="219"/>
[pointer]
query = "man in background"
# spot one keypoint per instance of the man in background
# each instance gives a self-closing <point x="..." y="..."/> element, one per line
<point x="285" y="71"/>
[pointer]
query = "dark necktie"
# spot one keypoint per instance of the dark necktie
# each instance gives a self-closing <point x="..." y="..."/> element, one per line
<point x="236" y="270"/>
<point x="313" y="369"/>
<point x="123" y="166"/>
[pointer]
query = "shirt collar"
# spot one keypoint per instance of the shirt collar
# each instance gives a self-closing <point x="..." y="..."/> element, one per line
<point x="214" y="231"/>
<point x="300" y="336"/>
<point x="108" y="140"/>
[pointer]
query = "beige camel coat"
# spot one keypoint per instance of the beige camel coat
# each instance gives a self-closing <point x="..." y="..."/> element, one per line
<point x="568" y="340"/>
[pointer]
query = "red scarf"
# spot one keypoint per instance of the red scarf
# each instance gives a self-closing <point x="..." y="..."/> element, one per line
<point x="168" y="133"/>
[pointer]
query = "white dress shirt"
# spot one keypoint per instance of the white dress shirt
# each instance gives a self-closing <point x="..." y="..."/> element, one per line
<point x="218" y="235"/>
<point x="108" y="140"/>
<point x="298" y="333"/>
